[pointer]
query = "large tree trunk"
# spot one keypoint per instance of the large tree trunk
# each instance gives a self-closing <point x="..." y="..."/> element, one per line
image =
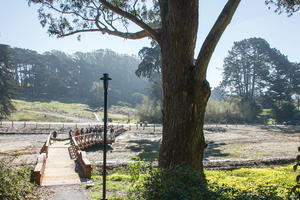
<point x="185" y="97"/>
<point x="185" y="88"/>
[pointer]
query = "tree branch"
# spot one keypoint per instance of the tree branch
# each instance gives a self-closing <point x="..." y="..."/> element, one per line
<point x="151" y="32"/>
<point x="136" y="35"/>
<point x="213" y="38"/>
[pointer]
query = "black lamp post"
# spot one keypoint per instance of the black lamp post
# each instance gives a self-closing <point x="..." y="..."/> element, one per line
<point x="105" y="79"/>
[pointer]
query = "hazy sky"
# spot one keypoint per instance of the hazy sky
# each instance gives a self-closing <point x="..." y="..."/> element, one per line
<point x="19" y="27"/>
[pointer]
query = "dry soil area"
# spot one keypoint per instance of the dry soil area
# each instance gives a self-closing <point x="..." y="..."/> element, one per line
<point x="226" y="144"/>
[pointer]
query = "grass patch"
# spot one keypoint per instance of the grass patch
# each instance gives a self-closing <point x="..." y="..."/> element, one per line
<point x="118" y="118"/>
<point x="33" y="111"/>
<point x="32" y="116"/>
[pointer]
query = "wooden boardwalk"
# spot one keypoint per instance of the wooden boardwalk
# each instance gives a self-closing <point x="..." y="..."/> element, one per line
<point x="60" y="161"/>
<point x="60" y="167"/>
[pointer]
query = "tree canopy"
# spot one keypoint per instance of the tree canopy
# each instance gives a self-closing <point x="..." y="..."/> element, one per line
<point x="288" y="6"/>
<point x="7" y="84"/>
<point x="58" y="76"/>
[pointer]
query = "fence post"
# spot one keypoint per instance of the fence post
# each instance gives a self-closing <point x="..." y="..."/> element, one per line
<point x="154" y="127"/>
<point x="36" y="125"/>
<point x="12" y="123"/>
<point x="24" y="124"/>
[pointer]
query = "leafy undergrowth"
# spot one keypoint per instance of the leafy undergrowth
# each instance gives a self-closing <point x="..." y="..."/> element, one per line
<point x="146" y="183"/>
<point x="15" y="182"/>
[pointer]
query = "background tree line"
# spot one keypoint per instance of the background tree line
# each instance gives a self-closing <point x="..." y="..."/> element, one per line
<point x="258" y="83"/>
<point x="58" y="76"/>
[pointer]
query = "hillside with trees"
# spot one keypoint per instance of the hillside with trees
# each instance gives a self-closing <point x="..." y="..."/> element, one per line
<point x="259" y="85"/>
<point x="56" y="75"/>
<point x="258" y="77"/>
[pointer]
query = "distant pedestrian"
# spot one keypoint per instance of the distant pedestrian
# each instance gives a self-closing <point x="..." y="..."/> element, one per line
<point x="81" y="131"/>
<point x="54" y="134"/>
<point x="77" y="133"/>
<point x="70" y="133"/>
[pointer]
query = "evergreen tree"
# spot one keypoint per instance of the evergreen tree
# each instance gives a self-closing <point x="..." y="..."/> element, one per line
<point x="7" y="84"/>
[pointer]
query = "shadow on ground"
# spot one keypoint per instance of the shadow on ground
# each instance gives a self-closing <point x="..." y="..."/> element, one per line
<point x="213" y="150"/>
<point x="289" y="129"/>
<point x="98" y="147"/>
<point x="148" y="149"/>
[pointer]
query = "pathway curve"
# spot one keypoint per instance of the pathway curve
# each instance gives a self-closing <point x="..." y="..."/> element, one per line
<point x="60" y="167"/>
<point x="97" y="117"/>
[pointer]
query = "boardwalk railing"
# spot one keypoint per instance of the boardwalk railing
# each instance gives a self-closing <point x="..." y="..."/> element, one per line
<point x="84" y="163"/>
<point x="84" y="141"/>
<point x="38" y="173"/>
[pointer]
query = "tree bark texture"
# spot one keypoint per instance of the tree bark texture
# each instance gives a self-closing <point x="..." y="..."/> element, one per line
<point x="185" y="88"/>
<point x="185" y="97"/>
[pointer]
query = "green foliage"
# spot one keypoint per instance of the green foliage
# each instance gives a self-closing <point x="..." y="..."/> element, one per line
<point x="262" y="77"/>
<point x="96" y="94"/>
<point x="15" y="182"/>
<point x="274" y="182"/>
<point x="75" y="78"/>
<point x="295" y="191"/>
<point x="64" y="17"/>
<point x="230" y="110"/>
<point x="182" y="183"/>
<point x="144" y="182"/>
<point x="136" y="169"/>
<point x="246" y="68"/>
<point x="289" y="6"/>
<point x="284" y="111"/>
<point x="7" y="84"/>
<point x="176" y="183"/>
<point x="149" y="110"/>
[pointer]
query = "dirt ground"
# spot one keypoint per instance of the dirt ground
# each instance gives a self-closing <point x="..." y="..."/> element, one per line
<point x="226" y="144"/>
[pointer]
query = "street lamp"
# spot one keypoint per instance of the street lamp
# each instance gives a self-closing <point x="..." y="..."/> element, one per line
<point x="105" y="79"/>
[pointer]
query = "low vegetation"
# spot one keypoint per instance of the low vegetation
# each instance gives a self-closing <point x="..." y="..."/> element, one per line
<point x="15" y="182"/>
<point x="55" y="107"/>
<point x="139" y="181"/>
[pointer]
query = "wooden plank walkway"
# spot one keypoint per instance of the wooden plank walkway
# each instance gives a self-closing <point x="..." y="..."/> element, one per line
<point x="60" y="167"/>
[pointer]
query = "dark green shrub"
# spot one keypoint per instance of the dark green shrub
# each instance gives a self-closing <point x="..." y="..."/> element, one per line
<point x="176" y="183"/>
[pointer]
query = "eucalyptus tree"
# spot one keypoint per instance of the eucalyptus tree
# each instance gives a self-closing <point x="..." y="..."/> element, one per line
<point x="174" y="25"/>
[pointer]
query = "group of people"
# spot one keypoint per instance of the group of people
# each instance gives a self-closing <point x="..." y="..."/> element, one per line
<point x="82" y="131"/>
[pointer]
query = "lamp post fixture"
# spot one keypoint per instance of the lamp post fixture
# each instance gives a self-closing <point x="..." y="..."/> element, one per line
<point x="105" y="79"/>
